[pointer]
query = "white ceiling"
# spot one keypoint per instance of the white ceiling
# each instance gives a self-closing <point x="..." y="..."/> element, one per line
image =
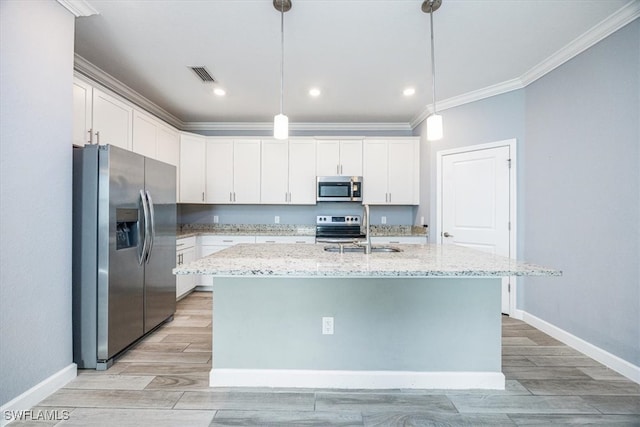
<point x="360" y="53"/>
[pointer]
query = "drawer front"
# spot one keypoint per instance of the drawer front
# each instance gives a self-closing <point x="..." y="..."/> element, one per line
<point x="185" y="242"/>
<point x="225" y="240"/>
<point x="286" y="239"/>
<point x="399" y="240"/>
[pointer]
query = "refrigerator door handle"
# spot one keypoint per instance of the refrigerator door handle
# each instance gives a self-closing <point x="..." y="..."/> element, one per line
<point x="152" y="223"/>
<point x="142" y="255"/>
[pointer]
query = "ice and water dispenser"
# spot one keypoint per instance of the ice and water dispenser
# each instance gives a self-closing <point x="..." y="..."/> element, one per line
<point x="127" y="225"/>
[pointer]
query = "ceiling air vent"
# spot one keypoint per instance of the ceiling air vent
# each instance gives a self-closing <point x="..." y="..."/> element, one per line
<point x="203" y="74"/>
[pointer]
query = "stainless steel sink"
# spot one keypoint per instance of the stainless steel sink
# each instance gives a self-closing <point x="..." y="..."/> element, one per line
<point x="360" y="249"/>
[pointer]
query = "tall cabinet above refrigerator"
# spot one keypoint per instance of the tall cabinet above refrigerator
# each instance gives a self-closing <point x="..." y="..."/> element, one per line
<point x="124" y="248"/>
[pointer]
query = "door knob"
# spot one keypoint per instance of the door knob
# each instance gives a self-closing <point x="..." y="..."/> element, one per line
<point x="446" y="234"/>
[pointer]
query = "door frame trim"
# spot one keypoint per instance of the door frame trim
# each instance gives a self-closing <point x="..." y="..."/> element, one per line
<point x="513" y="205"/>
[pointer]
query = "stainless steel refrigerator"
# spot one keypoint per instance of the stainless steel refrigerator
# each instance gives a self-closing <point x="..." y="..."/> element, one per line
<point x="124" y="248"/>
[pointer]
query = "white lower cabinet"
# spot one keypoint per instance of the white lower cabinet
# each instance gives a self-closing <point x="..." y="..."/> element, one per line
<point x="399" y="240"/>
<point x="185" y="253"/>
<point x="286" y="239"/>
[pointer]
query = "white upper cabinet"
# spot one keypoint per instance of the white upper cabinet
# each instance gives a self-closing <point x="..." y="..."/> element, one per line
<point x="246" y="171"/>
<point x="154" y="139"/>
<point x="302" y="172"/>
<point x="376" y="172"/>
<point x="233" y="171"/>
<point x="288" y="172"/>
<point x="192" y="168"/>
<point x="144" y="134"/>
<point x="274" y="182"/>
<point x="339" y="157"/>
<point x="82" y="105"/>
<point x="99" y="118"/>
<point x="168" y="145"/>
<point x="219" y="166"/>
<point x="391" y="172"/>
<point x="112" y="120"/>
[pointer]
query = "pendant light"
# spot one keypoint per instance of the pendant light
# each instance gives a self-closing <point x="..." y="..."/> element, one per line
<point x="280" y="121"/>
<point x="434" y="121"/>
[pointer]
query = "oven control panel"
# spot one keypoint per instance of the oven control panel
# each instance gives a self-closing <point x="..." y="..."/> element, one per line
<point x="338" y="220"/>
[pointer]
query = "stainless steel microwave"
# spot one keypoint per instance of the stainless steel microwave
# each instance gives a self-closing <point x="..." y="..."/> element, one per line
<point x="339" y="189"/>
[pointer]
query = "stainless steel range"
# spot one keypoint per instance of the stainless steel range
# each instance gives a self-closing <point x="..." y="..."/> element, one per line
<point x="339" y="229"/>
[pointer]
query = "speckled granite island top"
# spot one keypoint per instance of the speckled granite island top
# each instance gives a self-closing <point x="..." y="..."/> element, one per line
<point x="295" y="260"/>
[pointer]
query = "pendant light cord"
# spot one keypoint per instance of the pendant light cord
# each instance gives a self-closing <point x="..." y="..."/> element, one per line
<point x="433" y="62"/>
<point x="281" y="54"/>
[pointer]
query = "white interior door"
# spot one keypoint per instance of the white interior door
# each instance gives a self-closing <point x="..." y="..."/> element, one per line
<point x="475" y="207"/>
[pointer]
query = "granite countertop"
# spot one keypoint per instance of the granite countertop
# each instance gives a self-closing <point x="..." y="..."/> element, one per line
<point x="189" y="230"/>
<point x="295" y="260"/>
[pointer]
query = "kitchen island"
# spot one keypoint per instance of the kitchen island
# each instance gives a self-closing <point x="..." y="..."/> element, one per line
<point x="426" y="317"/>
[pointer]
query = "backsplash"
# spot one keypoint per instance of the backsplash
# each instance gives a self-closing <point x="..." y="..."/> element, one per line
<point x="289" y="214"/>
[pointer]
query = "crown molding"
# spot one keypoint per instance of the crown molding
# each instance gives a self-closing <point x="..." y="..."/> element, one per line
<point x="79" y="7"/>
<point x="94" y="73"/>
<point x="597" y="33"/>
<point x="303" y="127"/>
<point x="466" y="98"/>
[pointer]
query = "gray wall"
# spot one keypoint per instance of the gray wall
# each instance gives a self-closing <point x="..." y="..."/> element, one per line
<point x="294" y="215"/>
<point x="578" y="202"/>
<point x="36" y="42"/>
<point x="583" y="194"/>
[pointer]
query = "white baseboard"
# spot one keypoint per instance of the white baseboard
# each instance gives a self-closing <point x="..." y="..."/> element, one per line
<point x="293" y="378"/>
<point x="38" y="392"/>
<point x="517" y="314"/>
<point x="612" y="361"/>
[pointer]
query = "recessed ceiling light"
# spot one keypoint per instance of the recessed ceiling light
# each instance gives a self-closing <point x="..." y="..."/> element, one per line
<point x="315" y="92"/>
<point x="219" y="91"/>
<point x="409" y="91"/>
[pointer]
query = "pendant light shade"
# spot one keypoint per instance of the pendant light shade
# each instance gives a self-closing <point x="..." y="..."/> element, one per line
<point x="280" y="121"/>
<point x="280" y="126"/>
<point x="435" y="129"/>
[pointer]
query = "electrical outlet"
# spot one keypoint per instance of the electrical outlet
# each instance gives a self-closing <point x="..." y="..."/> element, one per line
<point x="422" y="220"/>
<point x="327" y="326"/>
<point x="383" y="220"/>
<point x="216" y="219"/>
<point x="276" y="219"/>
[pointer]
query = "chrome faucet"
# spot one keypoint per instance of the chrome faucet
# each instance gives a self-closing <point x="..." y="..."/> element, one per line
<point x="367" y="225"/>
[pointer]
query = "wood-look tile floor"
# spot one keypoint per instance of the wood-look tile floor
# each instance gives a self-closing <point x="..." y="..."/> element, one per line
<point x="163" y="381"/>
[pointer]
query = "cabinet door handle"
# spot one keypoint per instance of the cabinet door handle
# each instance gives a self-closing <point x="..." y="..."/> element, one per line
<point x="230" y="196"/>
<point x="98" y="137"/>
<point x="340" y="169"/>
<point x="389" y="197"/>
<point x="203" y="196"/>
<point x="227" y="241"/>
<point x="90" y="136"/>
<point x="337" y="169"/>
<point x="234" y="196"/>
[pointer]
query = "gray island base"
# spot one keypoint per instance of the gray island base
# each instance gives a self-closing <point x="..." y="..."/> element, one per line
<point x="427" y="317"/>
